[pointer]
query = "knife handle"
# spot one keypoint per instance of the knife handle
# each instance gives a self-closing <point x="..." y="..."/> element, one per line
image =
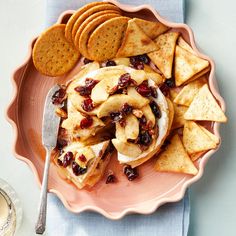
<point x="41" y="222"/>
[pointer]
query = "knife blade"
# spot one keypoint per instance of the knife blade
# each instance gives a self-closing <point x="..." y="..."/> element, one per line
<point x="50" y="128"/>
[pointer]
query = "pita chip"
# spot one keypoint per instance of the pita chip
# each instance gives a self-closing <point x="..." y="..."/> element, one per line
<point x="175" y="159"/>
<point x="150" y="28"/>
<point x="205" y="107"/>
<point x="197" y="138"/>
<point x="183" y="44"/>
<point x="135" y="42"/>
<point x="196" y="156"/>
<point x="187" y="94"/>
<point x="187" y="65"/>
<point x="164" y="55"/>
<point x="179" y="120"/>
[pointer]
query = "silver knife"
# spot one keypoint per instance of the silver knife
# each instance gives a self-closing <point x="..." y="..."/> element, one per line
<point x="50" y="128"/>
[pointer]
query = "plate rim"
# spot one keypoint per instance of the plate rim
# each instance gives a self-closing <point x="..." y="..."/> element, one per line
<point x="145" y="210"/>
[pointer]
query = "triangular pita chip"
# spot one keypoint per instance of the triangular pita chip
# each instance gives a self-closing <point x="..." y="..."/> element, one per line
<point x="196" y="155"/>
<point x="187" y="94"/>
<point x="173" y="94"/>
<point x="187" y="65"/>
<point x="150" y="28"/>
<point x="179" y="120"/>
<point x="213" y="137"/>
<point x="175" y="159"/>
<point x="183" y="44"/>
<point x="164" y="55"/>
<point x="199" y="75"/>
<point x="135" y="42"/>
<point x="205" y="107"/>
<point x="197" y="138"/>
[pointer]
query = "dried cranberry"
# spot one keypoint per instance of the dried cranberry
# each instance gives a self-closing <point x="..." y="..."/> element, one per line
<point x="124" y="80"/>
<point x="126" y="109"/>
<point x="155" y="109"/>
<point x="59" y="162"/>
<point x="138" y="65"/>
<point x="110" y="63"/>
<point x="170" y="83"/>
<point x="61" y="143"/>
<point x="153" y="92"/>
<point x="86" y="60"/>
<point x="68" y="157"/>
<point x="86" y="122"/>
<point x="82" y="90"/>
<point x="116" y="116"/>
<point x="110" y="179"/>
<point x="145" y="138"/>
<point x="78" y="170"/>
<point x="122" y="123"/>
<point x="90" y="83"/>
<point x="164" y="89"/>
<point x="143" y="120"/>
<point x="130" y="172"/>
<point x="87" y="104"/>
<point x="144" y="90"/>
<point x="82" y="158"/>
<point x="87" y="88"/>
<point x="58" y="96"/>
<point x="133" y="60"/>
<point x="140" y="58"/>
<point x="144" y="58"/>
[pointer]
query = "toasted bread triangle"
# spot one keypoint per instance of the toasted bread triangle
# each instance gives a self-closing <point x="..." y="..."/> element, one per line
<point x="187" y="94"/>
<point x="164" y="55"/>
<point x="135" y="42"/>
<point x="175" y="159"/>
<point x="197" y="138"/>
<point x="205" y="107"/>
<point x="187" y="65"/>
<point x="183" y="44"/>
<point x="150" y="28"/>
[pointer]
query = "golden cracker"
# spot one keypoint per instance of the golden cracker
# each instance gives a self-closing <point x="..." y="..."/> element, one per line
<point x="106" y="39"/>
<point x="88" y="20"/>
<point x="52" y="54"/>
<point x="75" y="16"/>
<point x="84" y="37"/>
<point x="89" y="12"/>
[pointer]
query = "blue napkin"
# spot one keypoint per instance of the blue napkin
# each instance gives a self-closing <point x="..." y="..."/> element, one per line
<point x="169" y="220"/>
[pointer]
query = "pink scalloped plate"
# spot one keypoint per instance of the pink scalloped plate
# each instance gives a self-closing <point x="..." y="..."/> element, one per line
<point x="143" y="195"/>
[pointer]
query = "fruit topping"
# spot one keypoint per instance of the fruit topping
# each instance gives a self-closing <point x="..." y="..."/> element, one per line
<point x="110" y="63"/>
<point x="170" y="83"/>
<point x="131" y="173"/>
<point x="78" y="170"/>
<point x="82" y="158"/>
<point x="59" y="96"/>
<point x="67" y="159"/>
<point x="124" y="80"/>
<point x="87" y="88"/>
<point x="86" y="122"/>
<point x="155" y="109"/>
<point x="144" y="90"/>
<point x="87" y="104"/>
